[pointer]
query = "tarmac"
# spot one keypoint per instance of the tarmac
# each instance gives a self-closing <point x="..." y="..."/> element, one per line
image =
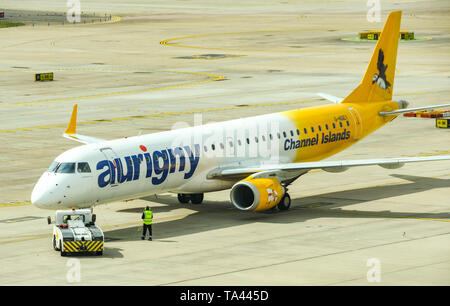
<point x="169" y="64"/>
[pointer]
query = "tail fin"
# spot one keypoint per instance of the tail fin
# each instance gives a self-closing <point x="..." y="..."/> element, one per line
<point x="378" y="82"/>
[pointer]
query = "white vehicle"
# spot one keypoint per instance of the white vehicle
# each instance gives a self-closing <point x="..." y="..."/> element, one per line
<point x="75" y="232"/>
<point x="257" y="157"/>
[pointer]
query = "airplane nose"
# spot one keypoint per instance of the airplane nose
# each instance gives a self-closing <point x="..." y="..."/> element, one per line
<point x="38" y="197"/>
<point x="41" y="196"/>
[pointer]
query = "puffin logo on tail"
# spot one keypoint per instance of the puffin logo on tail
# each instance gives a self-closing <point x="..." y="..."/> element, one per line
<point x="380" y="78"/>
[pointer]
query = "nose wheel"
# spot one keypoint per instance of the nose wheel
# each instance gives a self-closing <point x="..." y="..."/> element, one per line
<point x="194" y="198"/>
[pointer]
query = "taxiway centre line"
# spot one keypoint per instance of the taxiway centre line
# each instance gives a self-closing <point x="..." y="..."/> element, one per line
<point x="162" y="115"/>
<point x="211" y="78"/>
<point x="26" y="237"/>
<point x="169" y="42"/>
<point x="317" y="206"/>
<point x="14" y="204"/>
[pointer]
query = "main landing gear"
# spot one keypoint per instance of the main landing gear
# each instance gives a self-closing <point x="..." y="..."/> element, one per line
<point x="195" y="198"/>
<point x="285" y="202"/>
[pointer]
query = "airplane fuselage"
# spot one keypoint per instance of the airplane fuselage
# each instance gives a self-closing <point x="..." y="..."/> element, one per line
<point x="180" y="160"/>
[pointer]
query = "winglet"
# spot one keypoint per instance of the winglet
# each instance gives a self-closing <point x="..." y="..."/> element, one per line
<point x="72" y="128"/>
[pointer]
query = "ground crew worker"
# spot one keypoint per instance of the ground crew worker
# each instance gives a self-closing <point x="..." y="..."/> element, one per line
<point x="147" y="218"/>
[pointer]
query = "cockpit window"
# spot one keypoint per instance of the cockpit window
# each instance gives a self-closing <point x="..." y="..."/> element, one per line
<point x="66" y="168"/>
<point x="83" y="168"/>
<point x="53" y="167"/>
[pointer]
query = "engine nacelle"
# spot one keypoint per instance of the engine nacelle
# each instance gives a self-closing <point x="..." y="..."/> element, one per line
<point x="256" y="194"/>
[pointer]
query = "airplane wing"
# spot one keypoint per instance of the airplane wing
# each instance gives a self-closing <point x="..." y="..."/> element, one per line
<point x="329" y="166"/>
<point x="406" y="110"/>
<point x="71" y="132"/>
<point x="330" y="97"/>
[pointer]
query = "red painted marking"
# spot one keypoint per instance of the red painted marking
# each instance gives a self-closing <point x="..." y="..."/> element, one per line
<point x="143" y="148"/>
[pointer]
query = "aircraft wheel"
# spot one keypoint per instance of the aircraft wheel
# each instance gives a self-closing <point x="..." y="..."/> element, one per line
<point x="285" y="202"/>
<point x="197" y="198"/>
<point x="183" y="198"/>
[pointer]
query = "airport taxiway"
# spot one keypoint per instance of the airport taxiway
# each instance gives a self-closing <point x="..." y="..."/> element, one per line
<point x="160" y="68"/>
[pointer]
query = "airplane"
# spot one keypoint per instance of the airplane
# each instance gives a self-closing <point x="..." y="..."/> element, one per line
<point x="256" y="157"/>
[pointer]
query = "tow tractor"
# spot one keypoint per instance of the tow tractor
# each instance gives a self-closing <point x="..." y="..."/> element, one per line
<point x="75" y="232"/>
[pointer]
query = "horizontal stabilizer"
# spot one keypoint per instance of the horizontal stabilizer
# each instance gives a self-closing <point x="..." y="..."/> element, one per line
<point x="71" y="131"/>
<point x="407" y="110"/>
<point x="82" y="138"/>
<point x="330" y="97"/>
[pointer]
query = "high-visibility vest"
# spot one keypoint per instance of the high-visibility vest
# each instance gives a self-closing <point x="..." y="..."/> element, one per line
<point x="148" y="217"/>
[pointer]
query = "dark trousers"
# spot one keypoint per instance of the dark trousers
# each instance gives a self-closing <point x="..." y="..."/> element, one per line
<point x="145" y="228"/>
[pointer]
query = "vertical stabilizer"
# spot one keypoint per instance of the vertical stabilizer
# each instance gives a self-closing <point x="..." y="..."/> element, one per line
<point x="378" y="82"/>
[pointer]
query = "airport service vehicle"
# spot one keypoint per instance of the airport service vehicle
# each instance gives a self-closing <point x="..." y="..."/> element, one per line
<point x="75" y="232"/>
<point x="256" y="157"/>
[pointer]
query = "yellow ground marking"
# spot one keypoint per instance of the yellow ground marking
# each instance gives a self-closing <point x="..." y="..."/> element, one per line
<point x="14" y="204"/>
<point x="21" y="238"/>
<point x="32" y="237"/>
<point x="211" y="78"/>
<point x="317" y="206"/>
<point x="169" y="42"/>
<point x="430" y="154"/>
<point x="161" y="115"/>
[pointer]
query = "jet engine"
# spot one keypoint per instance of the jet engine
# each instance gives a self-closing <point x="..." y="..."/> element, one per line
<point x="256" y="194"/>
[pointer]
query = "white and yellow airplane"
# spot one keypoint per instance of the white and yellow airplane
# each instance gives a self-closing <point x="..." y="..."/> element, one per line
<point x="257" y="157"/>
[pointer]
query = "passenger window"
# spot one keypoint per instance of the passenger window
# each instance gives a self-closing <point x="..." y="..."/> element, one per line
<point x="334" y="125"/>
<point x="239" y="142"/>
<point x="66" y="168"/>
<point x="340" y="123"/>
<point x="248" y="141"/>
<point x="298" y="132"/>
<point x="348" y="123"/>
<point x="284" y="134"/>
<point x="263" y="138"/>
<point x="83" y="168"/>
<point x="256" y="139"/>
<point x="312" y="129"/>
<point x="213" y="147"/>
<point x="292" y="133"/>
<point x="270" y="136"/>
<point x="320" y="128"/>
<point x="326" y="126"/>
<point x="305" y="130"/>
<point x="205" y="148"/>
